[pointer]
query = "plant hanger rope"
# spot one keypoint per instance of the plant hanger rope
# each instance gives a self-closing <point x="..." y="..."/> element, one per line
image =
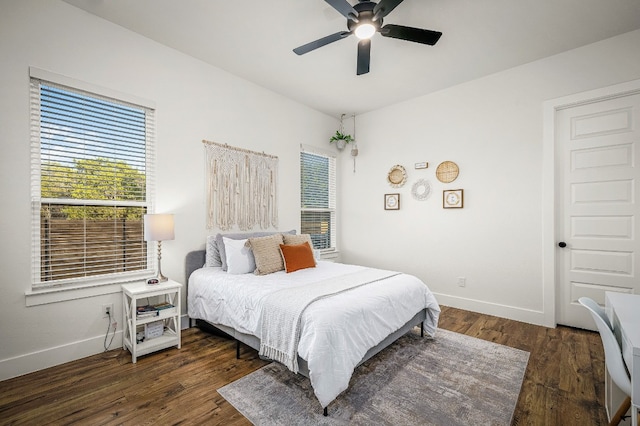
<point x="354" y="150"/>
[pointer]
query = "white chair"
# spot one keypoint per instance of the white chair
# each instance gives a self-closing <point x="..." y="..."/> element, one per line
<point x="612" y="355"/>
<point x="593" y="306"/>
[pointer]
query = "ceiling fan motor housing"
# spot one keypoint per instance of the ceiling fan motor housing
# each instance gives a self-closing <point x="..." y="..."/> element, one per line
<point x="365" y="16"/>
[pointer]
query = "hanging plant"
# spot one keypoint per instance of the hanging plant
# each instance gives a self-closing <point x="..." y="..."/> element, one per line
<point x="341" y="139"/>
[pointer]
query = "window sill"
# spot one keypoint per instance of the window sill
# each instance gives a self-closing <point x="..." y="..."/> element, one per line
<point x="62" y="294"/>
<point x="330" y="255"/>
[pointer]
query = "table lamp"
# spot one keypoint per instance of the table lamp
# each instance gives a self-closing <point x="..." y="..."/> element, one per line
<point x="158" y="227"/>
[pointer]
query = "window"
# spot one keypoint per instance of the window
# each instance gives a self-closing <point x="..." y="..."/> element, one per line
<point x="318" y="197"/>
<point x="92" y="182"/>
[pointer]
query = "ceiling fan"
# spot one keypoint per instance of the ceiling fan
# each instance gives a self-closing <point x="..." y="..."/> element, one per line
<point x="364" y="20"/>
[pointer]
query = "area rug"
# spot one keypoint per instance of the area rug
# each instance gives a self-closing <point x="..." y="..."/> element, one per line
<point x="451" y="379"/>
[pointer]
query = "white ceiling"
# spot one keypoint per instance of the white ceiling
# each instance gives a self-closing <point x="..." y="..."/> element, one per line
<point x="254" y="40"/>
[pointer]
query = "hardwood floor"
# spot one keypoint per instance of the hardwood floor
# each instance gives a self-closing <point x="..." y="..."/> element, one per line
<point x="563" y="384"/>
<point x="564" y="381"/>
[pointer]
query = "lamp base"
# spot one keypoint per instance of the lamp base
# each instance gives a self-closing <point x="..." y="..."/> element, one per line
<point x="159" y="278"/>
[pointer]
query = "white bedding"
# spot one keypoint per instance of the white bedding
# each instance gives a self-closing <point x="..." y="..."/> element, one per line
<point x="336" y="331"/>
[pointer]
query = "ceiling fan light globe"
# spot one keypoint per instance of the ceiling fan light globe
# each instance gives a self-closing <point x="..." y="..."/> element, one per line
<point x="365" y="31"/>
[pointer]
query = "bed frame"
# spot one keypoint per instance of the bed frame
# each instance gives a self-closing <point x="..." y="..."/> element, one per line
<point x="196" y="259"/>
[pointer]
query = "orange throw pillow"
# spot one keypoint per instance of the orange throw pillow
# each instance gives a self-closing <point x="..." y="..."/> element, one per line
<point x="296" y="257"/>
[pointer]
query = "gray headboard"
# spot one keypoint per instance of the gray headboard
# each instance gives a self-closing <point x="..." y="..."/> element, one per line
<point x="194" y="260"/>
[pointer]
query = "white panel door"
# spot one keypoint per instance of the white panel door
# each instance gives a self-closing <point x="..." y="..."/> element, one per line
<point x="597" y="148"/>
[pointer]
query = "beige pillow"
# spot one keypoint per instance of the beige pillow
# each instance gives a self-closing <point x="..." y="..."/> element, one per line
<point x="266" y="251"/>
<point x="298" y="239"/>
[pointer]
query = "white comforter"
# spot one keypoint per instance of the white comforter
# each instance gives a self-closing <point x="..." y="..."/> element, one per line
<point x="336" y="331"/>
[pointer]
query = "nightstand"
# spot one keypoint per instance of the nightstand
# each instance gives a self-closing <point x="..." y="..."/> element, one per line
<point x="161" y="326"/>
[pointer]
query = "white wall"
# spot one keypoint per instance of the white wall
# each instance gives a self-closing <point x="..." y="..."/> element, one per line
<point x="194" y="101"/>
<point x="493" y="129"/>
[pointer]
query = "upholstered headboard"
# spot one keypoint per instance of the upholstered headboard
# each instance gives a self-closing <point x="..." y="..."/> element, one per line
<point x="194" y="260"/>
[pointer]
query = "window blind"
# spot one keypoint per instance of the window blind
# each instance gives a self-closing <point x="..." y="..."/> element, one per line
<point x="318" y="198"/>
<point x="92" y="181"/>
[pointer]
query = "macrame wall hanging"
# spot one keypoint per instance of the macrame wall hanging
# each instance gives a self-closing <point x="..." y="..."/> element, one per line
<point x="241" y="188"/>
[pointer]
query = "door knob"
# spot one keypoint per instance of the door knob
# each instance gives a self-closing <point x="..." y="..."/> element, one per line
<point x="562" y="244"/>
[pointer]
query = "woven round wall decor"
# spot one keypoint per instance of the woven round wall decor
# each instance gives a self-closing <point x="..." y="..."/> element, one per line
<point x="397" y="176"/>
<point x="447" y="171"/>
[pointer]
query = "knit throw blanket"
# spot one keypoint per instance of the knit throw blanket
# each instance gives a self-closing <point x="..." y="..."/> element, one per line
<point x="282" y="311"/>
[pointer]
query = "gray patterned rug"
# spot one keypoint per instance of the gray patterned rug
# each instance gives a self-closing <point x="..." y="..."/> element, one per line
<point x="452" y="379"/>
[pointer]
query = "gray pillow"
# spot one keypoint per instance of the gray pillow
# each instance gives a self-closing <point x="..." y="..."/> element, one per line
<point x="241" y="236"/>
<point x="212" y="256"/>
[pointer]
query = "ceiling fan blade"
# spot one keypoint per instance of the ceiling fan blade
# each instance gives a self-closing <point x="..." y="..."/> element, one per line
<point x="364" y="56"/>
<point x="344" y="8"/>
<point x="306" y="48"/>
<point x="417" y="35"/>
<point x="383" y="8"/>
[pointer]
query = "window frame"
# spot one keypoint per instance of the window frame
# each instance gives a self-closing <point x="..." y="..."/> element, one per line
<point x="332" y="194"/>
<point x="36" y="77"/>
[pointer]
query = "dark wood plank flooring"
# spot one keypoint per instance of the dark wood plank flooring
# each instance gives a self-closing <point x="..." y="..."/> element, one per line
<point x="563" y="384"/>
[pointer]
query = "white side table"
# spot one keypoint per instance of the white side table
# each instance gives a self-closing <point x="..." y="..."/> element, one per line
<point x="168" y="291"/>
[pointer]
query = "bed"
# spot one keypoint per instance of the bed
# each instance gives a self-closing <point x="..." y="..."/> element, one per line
<point x="334" y="332"/>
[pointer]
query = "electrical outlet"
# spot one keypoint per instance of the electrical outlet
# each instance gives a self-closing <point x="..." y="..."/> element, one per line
<point x="462" y="282"/>
<point x="107" y="309"/>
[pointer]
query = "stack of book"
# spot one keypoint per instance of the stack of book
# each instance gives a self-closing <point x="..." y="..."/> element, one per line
<point x="152" y="310"/>
<point x="163" y="305"/>
<point x="147" y="311"/>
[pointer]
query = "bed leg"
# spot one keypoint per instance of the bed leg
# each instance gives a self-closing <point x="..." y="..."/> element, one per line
<point x="325" y="412"/>
<point x="422" y="329"/>
<point x="237" y="349"/>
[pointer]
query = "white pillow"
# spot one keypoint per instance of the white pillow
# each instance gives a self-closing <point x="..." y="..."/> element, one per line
<point x="240" y="259"/>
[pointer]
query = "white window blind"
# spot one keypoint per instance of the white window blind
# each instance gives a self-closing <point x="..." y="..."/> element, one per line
<point x="318" y="197"/>
<point x="92" y="182"/>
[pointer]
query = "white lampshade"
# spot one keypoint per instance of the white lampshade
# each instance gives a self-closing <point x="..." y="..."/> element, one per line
<point x="158" y="227"/>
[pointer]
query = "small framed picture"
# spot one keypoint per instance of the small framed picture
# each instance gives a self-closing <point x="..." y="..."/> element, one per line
<point x="423" y="165"/>
<point x="392" y="201"/>
<point x="452" y="199"/>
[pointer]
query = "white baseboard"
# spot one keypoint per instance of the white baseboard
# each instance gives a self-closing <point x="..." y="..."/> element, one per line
<point x="39" y="360"/>
<point x="50" y="357"/>
<point x="504" y="311"/>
